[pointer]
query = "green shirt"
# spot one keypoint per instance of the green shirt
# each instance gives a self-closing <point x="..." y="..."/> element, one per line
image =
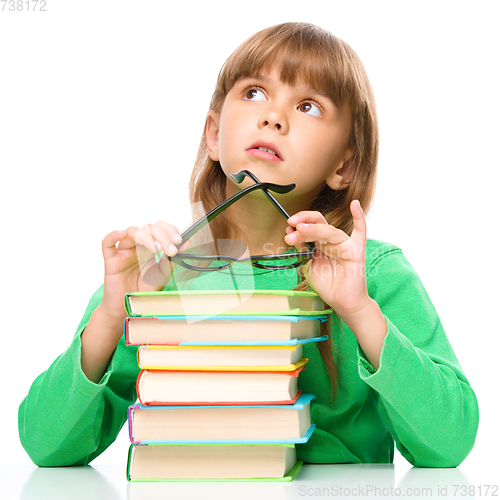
<point x="419" y="397"/>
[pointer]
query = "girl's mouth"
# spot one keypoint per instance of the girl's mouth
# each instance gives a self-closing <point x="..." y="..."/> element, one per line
<point x="266" y="152"/>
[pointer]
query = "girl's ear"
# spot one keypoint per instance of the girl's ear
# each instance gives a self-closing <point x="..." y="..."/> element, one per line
<point x="212" y="134"/>
<point x="343" y="174"/>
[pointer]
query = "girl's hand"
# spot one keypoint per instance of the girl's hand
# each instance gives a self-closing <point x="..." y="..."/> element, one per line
<point x="337" y="273"/>
<point x="130" y="265"/>
<point x="126" y="255"/>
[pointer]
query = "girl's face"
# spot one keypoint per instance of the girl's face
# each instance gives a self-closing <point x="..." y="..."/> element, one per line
<point x="283" y="134"/>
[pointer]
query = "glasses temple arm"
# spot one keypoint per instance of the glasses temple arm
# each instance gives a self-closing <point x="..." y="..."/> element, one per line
<point x="219" y="209"/>
<point x="238" y="177"/>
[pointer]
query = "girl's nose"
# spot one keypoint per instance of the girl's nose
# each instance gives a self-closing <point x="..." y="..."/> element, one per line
<point x="274" y="118"/>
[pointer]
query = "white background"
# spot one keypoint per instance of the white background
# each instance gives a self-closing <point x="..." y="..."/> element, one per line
<point x="102" y="105"/>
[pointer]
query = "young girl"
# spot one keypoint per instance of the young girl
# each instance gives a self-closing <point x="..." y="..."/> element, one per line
<point x="292" y="105"/>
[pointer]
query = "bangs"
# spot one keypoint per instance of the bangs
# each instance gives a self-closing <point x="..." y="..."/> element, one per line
<point x="311" y="56"/>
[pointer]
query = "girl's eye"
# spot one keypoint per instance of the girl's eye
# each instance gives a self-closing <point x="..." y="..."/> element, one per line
<point x="310" y="108"/>
<point x="254" y="94"/>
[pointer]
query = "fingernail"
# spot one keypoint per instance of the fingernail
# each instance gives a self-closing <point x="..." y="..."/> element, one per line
<point x="172" y="249"/>
<point x="177" y="238"/>
<point x="157" y="246"/>
<point x="293" y="219"/>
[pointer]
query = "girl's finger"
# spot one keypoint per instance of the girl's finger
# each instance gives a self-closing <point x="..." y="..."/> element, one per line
<point x="167" y="236"/>
<point x="304" y="217"/>
<point x="307" y="216"/>
<point x="144" y="237"/>
<point x="129" y="241"/>
<point x="159" y="237"/>
<point x="359" y="232"/>
<point x="109" y="243"/>
<point x="321" y="233"/>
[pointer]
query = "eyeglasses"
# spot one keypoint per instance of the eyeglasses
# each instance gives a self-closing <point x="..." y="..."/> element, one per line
<point x="201" y="262"/>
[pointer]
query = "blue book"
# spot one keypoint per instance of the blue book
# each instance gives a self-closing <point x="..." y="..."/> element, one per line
<point x="239" y="424"/>
<point x="228" y="330"/>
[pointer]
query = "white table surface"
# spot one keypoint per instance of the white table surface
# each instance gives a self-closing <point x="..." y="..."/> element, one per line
<point x="108" y="482"/>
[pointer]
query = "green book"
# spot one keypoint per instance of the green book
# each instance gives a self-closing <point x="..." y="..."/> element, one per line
<point x="209" y="303"/>
<point x="212" y="462"/>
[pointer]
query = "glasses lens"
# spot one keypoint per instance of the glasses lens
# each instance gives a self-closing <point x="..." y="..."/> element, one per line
<point x="200" y="263"/>
<point x="281" y="264"/>
<point x="213" y="256"/>
<point x="295" y="260"/>
<point x="226" y="253"/>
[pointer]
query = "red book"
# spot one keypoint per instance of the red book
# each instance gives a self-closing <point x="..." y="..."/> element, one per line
<point x="191" y="387"/>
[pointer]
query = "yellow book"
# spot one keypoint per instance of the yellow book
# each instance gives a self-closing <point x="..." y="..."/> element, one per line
<point x="221" y="358"/>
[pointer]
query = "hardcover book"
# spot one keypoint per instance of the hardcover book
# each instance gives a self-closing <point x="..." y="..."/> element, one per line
<point x="221" y="358"/>
<point x="222" y="302"/>
<point x="222" y="330"/>
<point x="178" y="387"/>
<point x="218" y="462"/>
<point x="241" y="423"/>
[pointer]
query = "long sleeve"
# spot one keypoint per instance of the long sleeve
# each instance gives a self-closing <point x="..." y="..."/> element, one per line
<point x="68" y="420"/>
<point x="424" y="397"/>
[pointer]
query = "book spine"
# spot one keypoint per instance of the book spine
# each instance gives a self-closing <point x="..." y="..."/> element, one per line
<point x="219" y="403"/>
<point x="130" y="412"/>
<point x="138" y="386"/>
<point x="294" y="373"/>
<point x="290" y="441"/>
<point x="129" y="460"/>
<point x="127" y="305"/>
<point x="283" y="368"/>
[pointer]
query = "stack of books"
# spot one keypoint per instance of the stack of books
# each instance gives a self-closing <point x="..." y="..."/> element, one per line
<point x="218" y="392"/>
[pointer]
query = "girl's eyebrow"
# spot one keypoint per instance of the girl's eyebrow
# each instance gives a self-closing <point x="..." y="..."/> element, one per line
<point x="305" y="88"/>
<point x="263" y="78"/>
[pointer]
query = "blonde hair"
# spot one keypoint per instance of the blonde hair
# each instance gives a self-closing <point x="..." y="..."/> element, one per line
<point x="309" y="54"/>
